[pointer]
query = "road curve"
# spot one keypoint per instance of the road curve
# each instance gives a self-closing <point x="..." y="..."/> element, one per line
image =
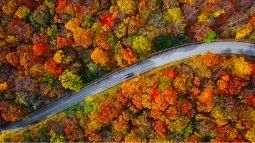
<point x="110" y="80"/>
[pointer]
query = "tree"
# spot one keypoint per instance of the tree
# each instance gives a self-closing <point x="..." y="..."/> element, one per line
<point x="41" y="49"/>
<point x="141" y="45"/>
<point x="127" y="6"/>
<point x="82" y="37"/>
<point x="28" y="100"/>
<point x="52" y="67"/>
<point x="93" y="72"/>
<point x="69" y="80"/>
<point x="55" y="138"/>
<point x="41" y="16"/>
<point x="10" y="7"/>
<point x="23" y="12"/>
<point x="166" y="41"/>
<point x="11" y="113"/>
<point x="100" y="56"/>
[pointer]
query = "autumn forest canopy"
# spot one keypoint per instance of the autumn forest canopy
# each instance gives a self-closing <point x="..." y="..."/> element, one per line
<point x="204" y="98"/>
<point x="52" y="48"/>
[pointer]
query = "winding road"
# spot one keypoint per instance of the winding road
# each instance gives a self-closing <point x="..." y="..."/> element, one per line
<point x="110" y="80"/>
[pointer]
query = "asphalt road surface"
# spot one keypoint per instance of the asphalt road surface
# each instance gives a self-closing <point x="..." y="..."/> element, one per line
<point x="110" y="80"/>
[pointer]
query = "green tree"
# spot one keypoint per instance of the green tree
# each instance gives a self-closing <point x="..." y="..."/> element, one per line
<point x="166" y="41"/>
<point x="41" y="16"/>
<point x="28" y="100"/>
<point x="141" y="45"/>
<point x="55" y="138"/>
<point x="69" y="80"/>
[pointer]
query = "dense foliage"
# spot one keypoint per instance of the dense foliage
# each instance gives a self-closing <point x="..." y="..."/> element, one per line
<point x="51" y="48"/>
<point x="204" y="98"/>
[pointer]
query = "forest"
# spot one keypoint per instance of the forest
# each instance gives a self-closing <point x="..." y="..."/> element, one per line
<point x="52" y="48"/>
<point x="206" y="98"/>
